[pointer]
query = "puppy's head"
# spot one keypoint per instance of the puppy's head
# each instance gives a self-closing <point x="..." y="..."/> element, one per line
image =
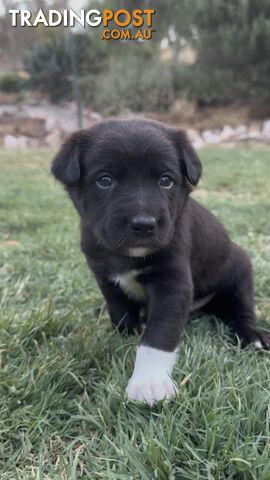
<point x="129" y="180"/>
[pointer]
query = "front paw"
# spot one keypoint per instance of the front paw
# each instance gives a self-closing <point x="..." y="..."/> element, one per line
<point x="151" y="380"/>
<point x="150" y="389"/>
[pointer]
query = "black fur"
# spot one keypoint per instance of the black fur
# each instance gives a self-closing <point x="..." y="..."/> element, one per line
<point x="190" y="254"/>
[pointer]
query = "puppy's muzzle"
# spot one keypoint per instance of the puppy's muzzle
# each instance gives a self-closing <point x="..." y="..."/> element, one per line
<point x="143" y="226"/>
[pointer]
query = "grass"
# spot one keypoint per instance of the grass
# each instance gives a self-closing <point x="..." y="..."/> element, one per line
<point x="63" y="414"/>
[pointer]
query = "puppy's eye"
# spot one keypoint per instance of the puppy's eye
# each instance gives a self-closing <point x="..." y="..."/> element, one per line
<point x="105" y="181"/>
<point x="165" y="181"/>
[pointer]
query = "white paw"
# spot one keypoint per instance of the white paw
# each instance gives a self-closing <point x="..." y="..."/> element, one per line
<point x="151" y="379"/>
<point x="151" y="390"/>
<point x="258" y="344"/>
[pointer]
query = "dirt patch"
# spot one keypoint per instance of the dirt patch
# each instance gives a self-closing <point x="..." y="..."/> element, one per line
<point x="12" y="243"/>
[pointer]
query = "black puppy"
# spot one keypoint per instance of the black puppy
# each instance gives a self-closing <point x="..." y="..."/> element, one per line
<point x="151" y="247"/>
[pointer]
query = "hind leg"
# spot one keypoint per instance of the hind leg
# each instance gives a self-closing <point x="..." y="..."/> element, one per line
<point x="234" y="301"/>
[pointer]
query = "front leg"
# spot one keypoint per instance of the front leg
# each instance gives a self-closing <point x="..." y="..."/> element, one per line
<point x="170" y="298"/>
<point x="124" y="312"/>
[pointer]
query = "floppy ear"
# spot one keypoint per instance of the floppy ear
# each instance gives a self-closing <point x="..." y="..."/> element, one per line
<point x="66" y="165"/>
<point x="190" y="163"/>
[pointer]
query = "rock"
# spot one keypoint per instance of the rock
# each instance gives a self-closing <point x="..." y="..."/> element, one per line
<point x="8" y="110"/>
<point x="62" y="118"/>
<point x="41" y="123"/>
<point x="54" y="139"/>
<point x="23" y="141"/>
<point x="15" y="123"/>
<point x="8" y="124"/>
<point x="8" y="98"/>
<point x="253" y="135"/>
<point x="195" y="138"/>
<point x="227" y="134"/>
<point x="199" y="143"/>
<point x="266" y="129"/>
<point x="10" y="141"/>
<point x="242" y="132"/>
<point x="95" y="116"/>
<point x="31" y="127"/>
<point x="254" y="132"/>
<point x="52" y="122"/>
<point x="6" y="129"/>
<point x="211" y="137"/>
<point x="35" y="142"/>
<point x="241" y="129"/>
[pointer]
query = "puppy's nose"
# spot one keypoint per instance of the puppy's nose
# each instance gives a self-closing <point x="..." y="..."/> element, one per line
<point x="143" y="225"/>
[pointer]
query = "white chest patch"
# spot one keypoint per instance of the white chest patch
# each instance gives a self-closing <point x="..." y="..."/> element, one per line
<point x="127" y="281"/>
<point x="138" y="252"/>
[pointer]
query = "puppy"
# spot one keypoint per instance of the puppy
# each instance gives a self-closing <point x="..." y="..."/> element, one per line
<point x="152" y="248"/>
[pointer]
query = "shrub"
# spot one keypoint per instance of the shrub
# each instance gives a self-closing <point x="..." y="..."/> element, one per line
<point x="48" y="66"/>
<point x="11" y="83"/>
<point x="232" y="42"/>
<point x="135" y="84"/>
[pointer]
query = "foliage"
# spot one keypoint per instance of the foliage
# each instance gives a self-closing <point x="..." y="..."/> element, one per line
<point x="11" y="83"/>
<point x="231" y="40"/>
<point x="128" y="85"/>
<point x="63" y="414"/>
<point x="232" y="43"/>
<point x="49" y="66"/>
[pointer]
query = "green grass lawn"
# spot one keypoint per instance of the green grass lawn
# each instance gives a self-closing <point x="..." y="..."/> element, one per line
<point x="63" y="414"/>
